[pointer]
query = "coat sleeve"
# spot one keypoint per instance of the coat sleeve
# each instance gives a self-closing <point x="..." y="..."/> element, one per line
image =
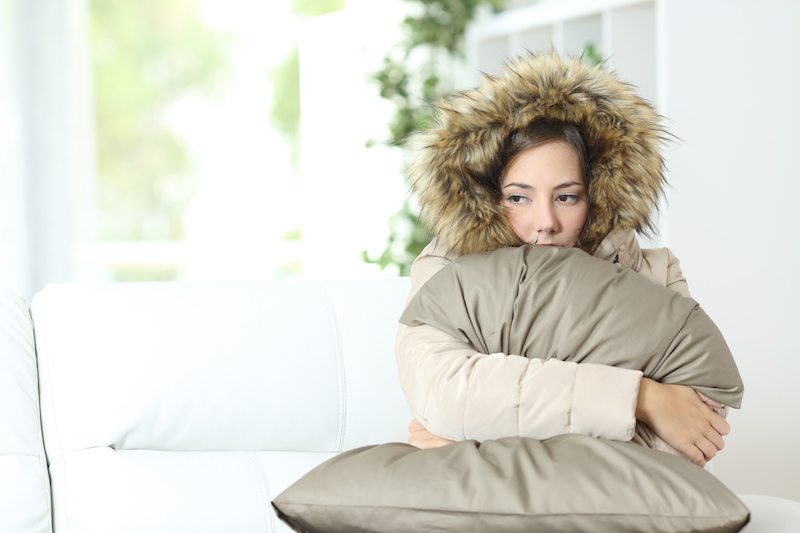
<point x="459" y="393"/>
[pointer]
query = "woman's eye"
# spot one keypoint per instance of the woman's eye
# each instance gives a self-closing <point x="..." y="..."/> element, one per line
<point x="516" y="199"/>
<point x="567" y="198"/>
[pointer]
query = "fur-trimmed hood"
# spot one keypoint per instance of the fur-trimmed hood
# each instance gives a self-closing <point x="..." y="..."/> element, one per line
<point x="453" y="162"/>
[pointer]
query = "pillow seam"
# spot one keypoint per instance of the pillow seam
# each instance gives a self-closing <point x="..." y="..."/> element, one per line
<point x="533" y="514"/>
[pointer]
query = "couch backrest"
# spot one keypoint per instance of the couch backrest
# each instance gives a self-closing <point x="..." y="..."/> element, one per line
<point x="187" y="407"/>
<point x="24" y="485"/>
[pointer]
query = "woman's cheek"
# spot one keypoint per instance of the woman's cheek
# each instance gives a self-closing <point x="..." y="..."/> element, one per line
<point x="516" y="223"/>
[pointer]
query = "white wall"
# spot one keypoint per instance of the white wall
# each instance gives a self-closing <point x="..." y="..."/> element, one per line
<point x="732" y="95"/>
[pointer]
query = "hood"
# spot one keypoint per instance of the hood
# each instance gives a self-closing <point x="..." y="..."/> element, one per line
<point x="453" y="165"/>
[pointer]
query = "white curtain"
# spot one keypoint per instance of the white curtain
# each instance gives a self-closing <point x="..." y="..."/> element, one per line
<point x="12" y="237"/>
<point x="46" y="141"/>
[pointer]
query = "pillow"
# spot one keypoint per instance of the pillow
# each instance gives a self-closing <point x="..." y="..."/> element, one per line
<point x="547" y="302"/>
<point x="566" y="483"/>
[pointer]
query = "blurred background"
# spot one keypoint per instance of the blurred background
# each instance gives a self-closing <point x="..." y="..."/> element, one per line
<point x="262" y="140"/>
<point x="161" y="140"/>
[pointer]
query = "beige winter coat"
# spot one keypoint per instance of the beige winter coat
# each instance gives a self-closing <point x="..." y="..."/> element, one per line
<point x="458" y="393"/>
<point x="454" y="175"/>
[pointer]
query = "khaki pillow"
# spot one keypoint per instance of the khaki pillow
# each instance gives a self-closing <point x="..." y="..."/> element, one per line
<point x="566" y="483"/>
<point x="544" y="302"/>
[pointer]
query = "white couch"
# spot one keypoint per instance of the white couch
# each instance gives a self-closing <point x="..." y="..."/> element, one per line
<point x="178" y="407"/>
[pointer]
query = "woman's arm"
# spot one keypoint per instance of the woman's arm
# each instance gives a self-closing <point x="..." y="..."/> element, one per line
<point x="458" y="393"/>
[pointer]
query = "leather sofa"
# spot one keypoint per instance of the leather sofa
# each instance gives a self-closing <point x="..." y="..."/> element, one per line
<point x="180" y="407"/>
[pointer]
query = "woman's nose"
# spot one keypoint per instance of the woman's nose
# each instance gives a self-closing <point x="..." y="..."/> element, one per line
<point x="545" y="220"/>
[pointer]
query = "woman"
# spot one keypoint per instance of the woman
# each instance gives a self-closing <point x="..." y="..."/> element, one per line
<point x="552" y="153"/>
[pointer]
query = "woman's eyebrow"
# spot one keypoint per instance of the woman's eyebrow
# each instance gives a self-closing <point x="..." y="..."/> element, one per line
<point x="560" y="186"/>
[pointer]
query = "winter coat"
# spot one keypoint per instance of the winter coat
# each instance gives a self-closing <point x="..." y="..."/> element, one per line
<point x="451" y="387"/>
<point x="454" y="390"/>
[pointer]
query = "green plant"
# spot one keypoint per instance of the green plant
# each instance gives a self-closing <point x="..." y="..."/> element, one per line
<point x="436" y="33"/>
<point x="592" y="55"/>
<point x="407" y="238"/>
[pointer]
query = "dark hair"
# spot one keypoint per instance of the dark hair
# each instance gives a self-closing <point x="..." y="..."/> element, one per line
<point x="540" y="132"/>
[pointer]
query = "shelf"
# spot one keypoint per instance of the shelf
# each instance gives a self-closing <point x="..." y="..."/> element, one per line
<point x="622" y="31"/>
<point x="578" y="33"/>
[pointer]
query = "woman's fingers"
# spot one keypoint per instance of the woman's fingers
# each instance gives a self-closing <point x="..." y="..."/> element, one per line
<point x="418" y="435"/>
<point x="708" y="449"/>
<point x="719" y="424"/>
<point x="715" y="438"/>
<point x="422" y="438"/>
<point x="695" y="455"/>
<point x="709" y="401"/>
<point x="414" y="425"/>
<point x="435" y="442"/>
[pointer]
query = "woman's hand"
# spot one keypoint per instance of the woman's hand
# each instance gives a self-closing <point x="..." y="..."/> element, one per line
<point x="421" y="438"/>
<point x="683" y="418"/>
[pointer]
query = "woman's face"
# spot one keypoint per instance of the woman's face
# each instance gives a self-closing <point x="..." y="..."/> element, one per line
<point x="545" y="196"/>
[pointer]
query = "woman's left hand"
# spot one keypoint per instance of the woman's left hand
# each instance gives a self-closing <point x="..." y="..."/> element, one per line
<point x="420" y="437"/>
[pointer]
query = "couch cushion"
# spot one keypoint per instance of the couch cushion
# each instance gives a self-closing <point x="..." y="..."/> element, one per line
<point x="770" y="514"/>
<point x="24" y="483"/>
<point x="192" y="379"/>
<point x="102" y="490"/>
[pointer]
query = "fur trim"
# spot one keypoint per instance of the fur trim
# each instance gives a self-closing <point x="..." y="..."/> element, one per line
<point x="452" y="167"/>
